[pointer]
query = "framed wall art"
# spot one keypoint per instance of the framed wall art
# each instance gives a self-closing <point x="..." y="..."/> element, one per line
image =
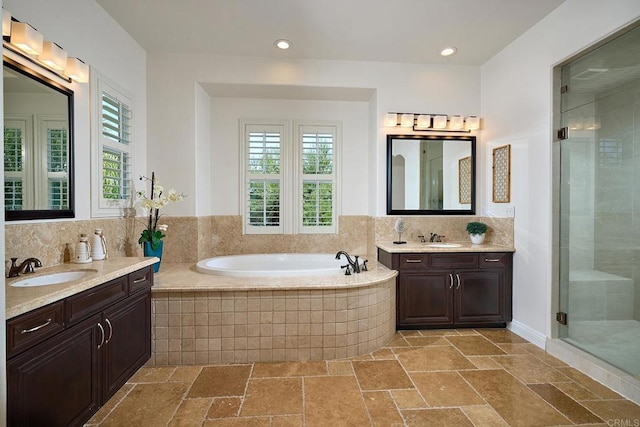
<point x="502" y="174"/>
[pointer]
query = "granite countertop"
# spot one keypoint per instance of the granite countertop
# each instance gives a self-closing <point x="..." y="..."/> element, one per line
<point x="185" y="278"/>
<point x="413" y="247"/>
<point x="19" y="300"/>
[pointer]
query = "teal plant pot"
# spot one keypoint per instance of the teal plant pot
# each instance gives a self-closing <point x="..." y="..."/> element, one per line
<point x="157" y="252"/>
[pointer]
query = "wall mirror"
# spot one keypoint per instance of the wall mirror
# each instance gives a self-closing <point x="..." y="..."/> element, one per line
<point x="38" y="145"/>
<point x="431" y="175"/>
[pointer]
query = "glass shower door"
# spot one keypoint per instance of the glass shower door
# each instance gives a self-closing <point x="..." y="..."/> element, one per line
<point x="599" y="197"/>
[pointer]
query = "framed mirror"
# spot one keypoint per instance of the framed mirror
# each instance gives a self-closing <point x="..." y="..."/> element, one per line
<point x="431" y="175"/>
<point x="38" y="145"/>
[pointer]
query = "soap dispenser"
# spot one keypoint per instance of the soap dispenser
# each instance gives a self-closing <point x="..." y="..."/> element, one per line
<point x="83" y="250"/>
<point x="98" y="245"/>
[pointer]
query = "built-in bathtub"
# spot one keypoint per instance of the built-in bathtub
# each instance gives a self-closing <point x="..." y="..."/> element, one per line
<point x="209" y="318"/>
<point x="271" y="265"/>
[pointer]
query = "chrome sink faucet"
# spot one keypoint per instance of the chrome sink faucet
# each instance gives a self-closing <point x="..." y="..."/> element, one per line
<point x="436" y="237"/>
<point x="27" y="266"/>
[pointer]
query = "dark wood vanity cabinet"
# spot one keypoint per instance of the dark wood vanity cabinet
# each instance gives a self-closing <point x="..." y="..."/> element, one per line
<point x="67" y="375"/>
<point x="451" y="289"/>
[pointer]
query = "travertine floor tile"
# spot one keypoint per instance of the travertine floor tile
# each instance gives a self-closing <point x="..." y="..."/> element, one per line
<point x="381" y="375"/>
<point x="442" y="389"/>
<point x="224" y="407"/>
<point x="501" y="336"/>
<point x="287" y="421"/>
<point x="408" y="399"/>
<point x="474" y="345"/>
<point x="566" y="405"/>
<point x="512" y="400"/>
<point x="219" y="381"/>
<point x="152" y="374"/>
<point x="590" y="384"/>
<point x="332" y="401"/>
<point x="186" y="374"/>
<point x="484" y="416"/>
<point x="99" y="416"/>
<point x="436" y="417"/>
<point x="424" y="341"/>
<point x="288" y="369"/>
<point x="434" y="359"/>
<point x="625" y="412"/>
<point x="148" y="405"/>
<point x="340" y="367"/>
<point x="239" y="422"/>
<point x="192" y="412"/>
<point x="273" y="396"/>
<point x="575" y="391"/>
<point x="484" y="362"/>
<point x="529" y="369"/>
<point x="382" y="409"/>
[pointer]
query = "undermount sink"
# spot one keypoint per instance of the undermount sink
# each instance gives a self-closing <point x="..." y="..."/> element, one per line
<point x="53" y="278"/>
<point x="444" y="245"/>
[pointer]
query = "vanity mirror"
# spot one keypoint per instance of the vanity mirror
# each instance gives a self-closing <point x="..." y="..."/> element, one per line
<point x="38" y="145"/>
<point x="431" y="175"/>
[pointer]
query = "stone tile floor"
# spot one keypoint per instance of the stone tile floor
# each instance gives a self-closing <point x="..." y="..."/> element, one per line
<point x="464" y="377"/>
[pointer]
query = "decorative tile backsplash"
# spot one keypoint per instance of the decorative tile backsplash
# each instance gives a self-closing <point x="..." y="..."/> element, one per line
<point x="190" y="239"/>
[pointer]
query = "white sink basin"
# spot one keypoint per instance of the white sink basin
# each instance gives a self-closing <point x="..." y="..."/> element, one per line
<point x="53" y="278"/>
<point x="444" y="245"/>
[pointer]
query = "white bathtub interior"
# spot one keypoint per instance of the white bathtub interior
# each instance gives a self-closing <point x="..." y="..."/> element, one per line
<point x="272" y="265"/>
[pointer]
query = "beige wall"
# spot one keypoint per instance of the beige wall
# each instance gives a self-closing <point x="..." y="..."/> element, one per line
<point x="190" y="239"/>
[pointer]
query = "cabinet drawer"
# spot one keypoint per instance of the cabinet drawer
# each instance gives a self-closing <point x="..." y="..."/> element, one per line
<point x="412" y="261"/>
<point x="453" y="260"/>
<point x="494" y="260"/>
<point x="31" y="328"/>
<point x="95" y="299"/>
<point x="140" y="279"/>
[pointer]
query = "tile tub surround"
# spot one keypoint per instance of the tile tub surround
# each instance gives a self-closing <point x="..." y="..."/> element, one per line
<point x="421" y="378"/>
<point x="199" y="318"/>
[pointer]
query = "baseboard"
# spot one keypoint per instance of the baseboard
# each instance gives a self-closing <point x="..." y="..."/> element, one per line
<point x="527" y="333"/>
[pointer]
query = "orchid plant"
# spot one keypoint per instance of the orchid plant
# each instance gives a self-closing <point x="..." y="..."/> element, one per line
<point x="154" y="232"/>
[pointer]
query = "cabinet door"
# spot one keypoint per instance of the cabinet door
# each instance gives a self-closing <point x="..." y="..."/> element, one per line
<point x="424" y="299"/>
<point x="56" y="383"/>
<point x="128" y="330"/>
<point x="479" y="296"/>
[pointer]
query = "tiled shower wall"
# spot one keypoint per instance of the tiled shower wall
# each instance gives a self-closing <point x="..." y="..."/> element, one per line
<point x="190" y="239"/>
<point x="617" y="186"/>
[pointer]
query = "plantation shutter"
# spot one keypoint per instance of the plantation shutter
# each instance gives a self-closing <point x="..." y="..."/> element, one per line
<point x="263" y="179"/>
<point x="14" y="134"/>
<point x="57" y="165"/>
<point x="116" y="146"/>
<point x="318" y="178"/>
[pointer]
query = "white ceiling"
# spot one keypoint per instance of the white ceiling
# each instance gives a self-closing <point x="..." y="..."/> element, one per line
<point x="360" y="30"/>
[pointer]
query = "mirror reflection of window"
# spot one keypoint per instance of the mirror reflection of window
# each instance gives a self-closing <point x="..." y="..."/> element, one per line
<point x="36" y="145"/>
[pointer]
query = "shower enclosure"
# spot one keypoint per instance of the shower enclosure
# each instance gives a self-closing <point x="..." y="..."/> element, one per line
<point x="599" y="202"/>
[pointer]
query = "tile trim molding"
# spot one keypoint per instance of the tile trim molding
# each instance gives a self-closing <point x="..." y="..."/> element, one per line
<point x="527" y="333"/>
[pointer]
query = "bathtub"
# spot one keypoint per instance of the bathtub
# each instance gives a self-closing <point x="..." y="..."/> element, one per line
<point x="201" y="318"/>
<point x="270" y="265"/>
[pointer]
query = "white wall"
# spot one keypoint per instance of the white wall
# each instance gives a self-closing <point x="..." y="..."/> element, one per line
<point x="516" y="89"/>
<point x="225" y="145"/>
<point x="86" y="31"/>
<point x="398" y="87"/>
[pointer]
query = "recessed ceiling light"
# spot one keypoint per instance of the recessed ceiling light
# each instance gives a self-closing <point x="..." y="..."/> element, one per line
<point x="448" y="51"/>
<point x="282" y="44"/>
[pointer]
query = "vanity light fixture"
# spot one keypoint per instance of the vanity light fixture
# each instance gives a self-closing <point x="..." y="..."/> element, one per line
<point x="27" y="38"/>
<point x="432" y="122"/>
<point x="473" y="122"/>
<point x="391" y="119"/>
<point x="6" y="23"/>
<point x="456" y="122"/>
<point x="448" y="51"/>
<point x="440" y="122"/>
<point x="77" y="70"/>
<point x="406" y="120"/>
<point x="283" y="44"/>
<point x="25" y="41"/>
<point x="54" y="56"/>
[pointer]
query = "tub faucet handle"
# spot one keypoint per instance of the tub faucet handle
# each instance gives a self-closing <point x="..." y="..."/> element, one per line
<point x="347" y="271"/>
<point x="364" y="265"/>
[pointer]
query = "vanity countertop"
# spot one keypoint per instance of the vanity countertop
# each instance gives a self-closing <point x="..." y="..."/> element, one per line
<point x="415" y="247"/>
<point x="20" y="300"/>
